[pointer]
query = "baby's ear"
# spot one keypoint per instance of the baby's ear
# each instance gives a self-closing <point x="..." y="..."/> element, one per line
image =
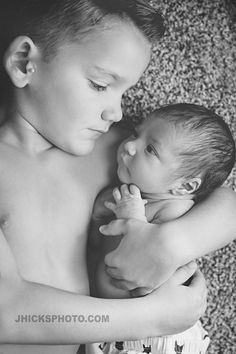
<point x="187" y="187"/>
<point x="19" y="61"/>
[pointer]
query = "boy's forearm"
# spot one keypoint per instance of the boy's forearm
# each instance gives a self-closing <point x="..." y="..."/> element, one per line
<point x="91" y="319"/>
<point x="205" y="228"/>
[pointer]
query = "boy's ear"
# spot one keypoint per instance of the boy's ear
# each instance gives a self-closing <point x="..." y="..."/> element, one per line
<point x="187" y="187"/>
<point x="19" y="60"/>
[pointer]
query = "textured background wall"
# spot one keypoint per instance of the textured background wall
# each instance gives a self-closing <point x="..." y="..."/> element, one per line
<point x="196" y="62"/>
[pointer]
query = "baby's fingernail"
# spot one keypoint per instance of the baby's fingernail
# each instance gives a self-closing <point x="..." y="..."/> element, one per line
<point x="102" y="228"/>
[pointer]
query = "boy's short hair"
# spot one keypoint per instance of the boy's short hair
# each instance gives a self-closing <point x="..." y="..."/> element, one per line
<point x="50" y="22"/>
<point x="208" y="148"/>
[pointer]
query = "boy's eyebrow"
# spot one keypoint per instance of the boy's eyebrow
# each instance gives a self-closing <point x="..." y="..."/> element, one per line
<point x="107" y="72"/>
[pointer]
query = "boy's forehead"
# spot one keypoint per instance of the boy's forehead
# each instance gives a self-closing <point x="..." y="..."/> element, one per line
<point x="119" y="51"/>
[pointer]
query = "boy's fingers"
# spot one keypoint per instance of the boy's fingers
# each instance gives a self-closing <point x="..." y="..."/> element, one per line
<point x="184" y="273"/>
<point x="114" y="228"/>
<point x="134" y="190"/>
<point x="198" y="280"/>
<point x="112" y="271"/>
<point x="198" y="285"/>
<point x="140" y="292"/>
<point x="122" y="284"/>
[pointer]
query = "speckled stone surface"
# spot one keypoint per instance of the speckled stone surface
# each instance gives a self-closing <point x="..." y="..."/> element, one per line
<point x="196" y="62"/>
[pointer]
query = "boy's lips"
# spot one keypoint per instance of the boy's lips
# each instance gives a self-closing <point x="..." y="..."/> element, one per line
<point x="98" y="132"/>
<point x="101" y="131"/>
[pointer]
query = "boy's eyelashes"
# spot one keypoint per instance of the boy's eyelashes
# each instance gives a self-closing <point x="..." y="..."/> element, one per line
<point x="97" y="86"/>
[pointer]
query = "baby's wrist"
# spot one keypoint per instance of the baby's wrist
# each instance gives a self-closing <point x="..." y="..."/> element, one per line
<point x="137" y="216"/>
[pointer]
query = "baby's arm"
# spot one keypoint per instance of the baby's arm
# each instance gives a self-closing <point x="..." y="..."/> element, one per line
<point x="124" y="202"/>
<point x="128" y="203"/>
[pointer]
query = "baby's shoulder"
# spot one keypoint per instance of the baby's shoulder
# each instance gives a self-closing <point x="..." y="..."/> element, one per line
<point x="173" y="210"/>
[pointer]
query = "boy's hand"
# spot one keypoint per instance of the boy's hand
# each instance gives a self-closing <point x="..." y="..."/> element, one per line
<point x="179" y="306"/>
<point x="128" y="203"/>
<point x="143" y="259"/>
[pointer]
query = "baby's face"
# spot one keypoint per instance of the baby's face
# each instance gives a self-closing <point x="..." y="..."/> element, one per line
<point x="148" y="158"/>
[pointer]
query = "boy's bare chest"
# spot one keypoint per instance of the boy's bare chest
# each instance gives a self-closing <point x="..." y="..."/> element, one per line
<point x="45" y="211"/>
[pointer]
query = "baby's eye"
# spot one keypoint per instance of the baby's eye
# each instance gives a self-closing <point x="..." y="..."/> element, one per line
<point x="151" y="150"/>
<point x="98" y="87"/>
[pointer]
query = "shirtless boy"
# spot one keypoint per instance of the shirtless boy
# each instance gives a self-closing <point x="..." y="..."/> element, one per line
<point x="69" y="63"/>
<point x="175" y="158"/>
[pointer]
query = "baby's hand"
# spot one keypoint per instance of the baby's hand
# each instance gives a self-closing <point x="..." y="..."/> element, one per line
<point x="128" y="203"/>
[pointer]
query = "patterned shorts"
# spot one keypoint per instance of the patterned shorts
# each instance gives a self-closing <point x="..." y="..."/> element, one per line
<point x="192" y="341"/>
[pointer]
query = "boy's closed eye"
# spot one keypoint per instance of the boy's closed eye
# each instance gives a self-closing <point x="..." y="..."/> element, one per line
<point x="98" y="86"/>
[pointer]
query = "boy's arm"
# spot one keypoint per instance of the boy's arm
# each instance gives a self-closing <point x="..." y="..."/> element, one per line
<point x="170" y="309"/>
<point x="163" y="248"/>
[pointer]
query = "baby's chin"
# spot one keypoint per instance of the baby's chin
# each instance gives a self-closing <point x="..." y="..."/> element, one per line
<point x="123" y="175"/>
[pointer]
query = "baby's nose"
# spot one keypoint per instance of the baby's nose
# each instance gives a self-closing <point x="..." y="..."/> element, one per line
<point x="130" y="148"/>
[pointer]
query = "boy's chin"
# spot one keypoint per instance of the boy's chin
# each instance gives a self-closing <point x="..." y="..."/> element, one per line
<point x="81" y="149"/>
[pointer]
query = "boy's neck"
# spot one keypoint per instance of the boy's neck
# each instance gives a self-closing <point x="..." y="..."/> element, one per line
<point x="19" y="132"/>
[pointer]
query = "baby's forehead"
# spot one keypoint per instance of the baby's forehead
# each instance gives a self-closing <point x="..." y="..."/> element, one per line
<point x="156" y="124"/>
<point x="164" y="130"/>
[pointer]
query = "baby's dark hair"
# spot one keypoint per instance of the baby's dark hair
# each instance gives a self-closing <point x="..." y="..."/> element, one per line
<point x="207" y="146"/>
<point x="50" y="22"/>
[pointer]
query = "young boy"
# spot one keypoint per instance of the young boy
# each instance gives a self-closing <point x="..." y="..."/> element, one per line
<point x="68" y="63"/>
<point x="176" y="158"/>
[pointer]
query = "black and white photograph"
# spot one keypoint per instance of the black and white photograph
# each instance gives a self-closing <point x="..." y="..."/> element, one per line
<point x="117" y="177"/>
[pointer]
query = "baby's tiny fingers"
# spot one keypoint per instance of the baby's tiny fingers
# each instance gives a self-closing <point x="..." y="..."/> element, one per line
<point x="134" y="190"/>
<point x="124" y="190"/>
<point x="110" y="205"/>
<point x="116" y="194"/>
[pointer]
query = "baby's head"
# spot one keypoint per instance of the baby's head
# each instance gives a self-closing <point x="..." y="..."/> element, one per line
<point x="181" y="150"/>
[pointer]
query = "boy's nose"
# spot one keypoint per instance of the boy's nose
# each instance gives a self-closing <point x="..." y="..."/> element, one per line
<point x="113" y="114"/>
<point x="130" y="148"/>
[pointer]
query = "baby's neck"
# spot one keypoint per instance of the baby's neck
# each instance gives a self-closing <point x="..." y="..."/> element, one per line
<point x="164" y="197"/>
<point x="19" y="132"/>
